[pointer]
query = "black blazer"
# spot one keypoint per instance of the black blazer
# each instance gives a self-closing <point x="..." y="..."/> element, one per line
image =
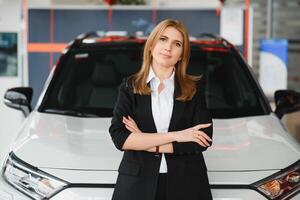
<point x="139" y="170"/>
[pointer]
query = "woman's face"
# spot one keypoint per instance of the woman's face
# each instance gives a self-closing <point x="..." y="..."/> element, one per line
<point x="168" y="49"/>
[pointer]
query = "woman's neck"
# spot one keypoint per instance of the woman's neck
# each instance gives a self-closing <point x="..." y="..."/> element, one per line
<point x="161" y="72"/>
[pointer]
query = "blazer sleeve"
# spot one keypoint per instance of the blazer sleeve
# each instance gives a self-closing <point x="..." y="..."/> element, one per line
<point x="201" y="116"/>
<point x="123" y="107"/>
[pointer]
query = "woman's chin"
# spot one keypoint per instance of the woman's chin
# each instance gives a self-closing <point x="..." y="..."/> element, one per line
<point x="166" y="64"/>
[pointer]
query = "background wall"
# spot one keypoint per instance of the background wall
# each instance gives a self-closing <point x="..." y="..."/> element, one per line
<point x="10" y="120"/>
<point x="67" y="24"/>
<point x="286" y="15"/>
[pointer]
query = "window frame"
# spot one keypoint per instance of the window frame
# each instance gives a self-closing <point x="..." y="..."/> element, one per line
<point x="94" y="47"/>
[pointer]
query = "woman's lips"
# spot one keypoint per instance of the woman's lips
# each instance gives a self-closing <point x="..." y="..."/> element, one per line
<point x="165" y="55"/>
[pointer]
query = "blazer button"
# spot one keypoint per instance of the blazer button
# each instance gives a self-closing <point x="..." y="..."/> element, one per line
<point x="156" y="155"/>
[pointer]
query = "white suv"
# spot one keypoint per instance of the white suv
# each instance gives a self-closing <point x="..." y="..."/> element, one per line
<point x="64" y="151"/>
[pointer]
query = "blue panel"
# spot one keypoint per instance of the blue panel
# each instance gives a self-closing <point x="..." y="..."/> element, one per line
<point x="277" y="47"/>
<point x="196" y="21"/>
<point x="68" y="24"/>
<point x="38" y="73"/>
<point x="39" y="25"/>
<point x="132" y="20"/>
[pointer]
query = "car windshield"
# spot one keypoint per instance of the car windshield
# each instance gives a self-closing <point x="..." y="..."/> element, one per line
<point x="86" y="82"/>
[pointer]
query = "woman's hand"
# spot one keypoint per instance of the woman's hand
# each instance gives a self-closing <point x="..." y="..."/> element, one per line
<point x="194" y="134"/>
<point x="131" y="125"/>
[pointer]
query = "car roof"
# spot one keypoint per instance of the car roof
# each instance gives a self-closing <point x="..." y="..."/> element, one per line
<point x="207" y="42"/>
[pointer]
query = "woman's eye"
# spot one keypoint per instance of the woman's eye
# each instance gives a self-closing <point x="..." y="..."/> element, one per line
<point x="178" y="44"/>
<point x="162" y="39"/>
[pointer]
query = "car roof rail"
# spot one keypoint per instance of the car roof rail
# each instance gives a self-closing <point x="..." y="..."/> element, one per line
<point x="91" y="37"/>
<point x="78" y="40"/>
<point x="94" y="34"/>
<point x="208" y="35"/>
<point x="212" y="36"/>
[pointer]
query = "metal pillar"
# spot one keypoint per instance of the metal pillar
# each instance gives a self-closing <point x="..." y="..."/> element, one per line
<point x="269" y="19"/>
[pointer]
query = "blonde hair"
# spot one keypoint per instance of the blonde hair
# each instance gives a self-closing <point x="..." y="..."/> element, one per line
<point x="187" y="83"/>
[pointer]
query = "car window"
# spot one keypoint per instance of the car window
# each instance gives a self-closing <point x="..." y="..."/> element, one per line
<point x="230" y="90"/>
<point x="86" y="83"/>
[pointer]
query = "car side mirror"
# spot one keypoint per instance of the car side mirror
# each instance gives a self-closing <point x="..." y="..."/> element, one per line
<point x="19" y="98"/>
<point x="286" y="101"/>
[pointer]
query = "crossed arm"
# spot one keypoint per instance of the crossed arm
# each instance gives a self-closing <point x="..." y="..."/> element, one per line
<point x="148" y="142"/>
<point x="126" y="134"/>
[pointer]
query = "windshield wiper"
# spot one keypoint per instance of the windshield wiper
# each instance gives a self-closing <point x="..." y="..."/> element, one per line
<point x="77" y="113"/>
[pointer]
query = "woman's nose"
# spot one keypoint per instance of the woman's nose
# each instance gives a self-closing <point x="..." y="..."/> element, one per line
<point x="168" y="46"/>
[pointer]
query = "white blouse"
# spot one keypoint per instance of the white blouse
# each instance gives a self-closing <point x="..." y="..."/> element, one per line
<point x="162" y="107"/>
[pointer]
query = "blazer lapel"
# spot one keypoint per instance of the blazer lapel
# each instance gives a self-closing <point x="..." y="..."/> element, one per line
<point x="147" y="110"/>
<point x="178" y="108"/>
<point x="145" y="113"/>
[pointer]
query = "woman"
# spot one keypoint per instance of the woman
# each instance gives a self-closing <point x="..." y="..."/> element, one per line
<point x="162" y="124"/>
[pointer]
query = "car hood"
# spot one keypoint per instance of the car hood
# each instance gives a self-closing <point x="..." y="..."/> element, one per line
<point x="65" y="142"/>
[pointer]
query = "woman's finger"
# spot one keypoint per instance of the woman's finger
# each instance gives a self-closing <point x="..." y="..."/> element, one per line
<point x="125" y="121"/>
<point x="128" y="121"/>
<point x="132" y="127"/>
<point x="201" y="126"/>
<point x="204" y="135"/>
<point x="200" y="143"/>
<point x="128" y="124"/>
<point x="132" y="130"/>
<point x="131" y="119"/>
<point x="203" y="140"/>
<point x="129" y="128"/>
<point x="132" y="123"/>
<point x="199" y="136"/>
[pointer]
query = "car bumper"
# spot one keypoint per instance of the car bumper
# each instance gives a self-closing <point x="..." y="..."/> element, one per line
<point x="7" y="192"/>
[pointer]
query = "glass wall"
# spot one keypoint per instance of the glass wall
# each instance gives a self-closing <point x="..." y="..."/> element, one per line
<point x="8" y="54"/>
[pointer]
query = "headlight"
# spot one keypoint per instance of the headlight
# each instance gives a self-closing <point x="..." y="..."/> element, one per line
<point x="30" y="180"/>
<point x="281" y="185"/>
